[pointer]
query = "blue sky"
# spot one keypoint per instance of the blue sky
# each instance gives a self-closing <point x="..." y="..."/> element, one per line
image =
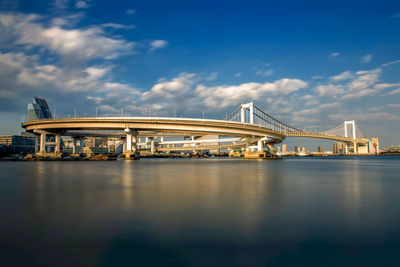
<point x="309" y="63"/>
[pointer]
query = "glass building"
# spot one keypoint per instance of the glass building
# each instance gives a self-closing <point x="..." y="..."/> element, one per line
<point x="38" y="110"/>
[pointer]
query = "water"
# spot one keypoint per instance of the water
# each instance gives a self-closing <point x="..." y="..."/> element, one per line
<point x="201" y="212"/>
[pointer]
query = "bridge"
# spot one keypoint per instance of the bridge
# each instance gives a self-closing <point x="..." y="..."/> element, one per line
<point x="247" y="127"/>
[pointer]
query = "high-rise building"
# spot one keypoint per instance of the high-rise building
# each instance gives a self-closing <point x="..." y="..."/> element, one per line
<point x="338" y="148"/>
<point x="38" y="110"/>
<point x="284" y="148"/>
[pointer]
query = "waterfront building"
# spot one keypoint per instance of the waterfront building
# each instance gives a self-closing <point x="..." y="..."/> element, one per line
<point x="320" y="149"/>
<point x="18" y="144"/>
<point x="284" y="148"/>
<point x="38" y="110"/>
<point x="338" y="148"/>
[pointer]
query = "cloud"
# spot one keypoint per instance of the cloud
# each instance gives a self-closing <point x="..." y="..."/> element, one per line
<point x="335" y="54"/>
<point x="317" y="110"/>
<point x="317" y="77"/>
<point x="229" y="95"/>
<point x="157" y="44"/>
<point x="394" y="92"/>
<point x="176" y="88"/>
<point x="366" y="116"/>
<point x="81" y="4"/>
<point x="330" y="90"/>
<point x="238" y="74"/>
<point x="60" y="4"/>
<point x="395" y="16"/>
<point x="72" y="44"/>
<point x="397" y="105"/>
<point x="343" y="76"/>
<point x="212" y="76"/>
<point x="266" y="73"/>
<point x="391" y="63"/>
<point x="23" y="75"/>
<point x="118" y="26"/>
<point x="367" y="58"/>
<point x="382" y="86"/>
<point x="130" y="11"/>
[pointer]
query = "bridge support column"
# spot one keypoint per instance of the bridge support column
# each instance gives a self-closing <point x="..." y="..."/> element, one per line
<point x="355" y="147"/>
<point x="74" y="151"/>
<point x="82" y="144"/>
<point x="57" y="148"/>
<point x="260" y="145"/>
<point x="152" y="148"/>
<point x="42" y="149"/>
<point x="130" y="152"/>
<point x="37" y="143"/>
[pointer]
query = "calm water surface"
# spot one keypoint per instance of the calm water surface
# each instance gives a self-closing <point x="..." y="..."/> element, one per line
<point x="201" y="212"/>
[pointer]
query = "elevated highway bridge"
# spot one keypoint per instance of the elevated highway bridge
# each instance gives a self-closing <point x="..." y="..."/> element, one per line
<point x="245" y="127"/>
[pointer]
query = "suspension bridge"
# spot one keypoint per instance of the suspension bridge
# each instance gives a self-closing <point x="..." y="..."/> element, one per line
<point x="247" y="128"/>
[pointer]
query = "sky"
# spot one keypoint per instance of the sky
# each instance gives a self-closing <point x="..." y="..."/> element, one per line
<point x="311" y="64"/>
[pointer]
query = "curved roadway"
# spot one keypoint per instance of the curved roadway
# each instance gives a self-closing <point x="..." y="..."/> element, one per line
<point x="146" y="126"/>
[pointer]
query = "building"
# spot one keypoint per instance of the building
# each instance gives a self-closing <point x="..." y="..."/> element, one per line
<point x="320" y="149"/>
<point x="284" y="148"/>
<point x="18" y="144"/>
<point x="38" y="110"/>
<point x="299" y="149"/>
<point x="338" y="148"/>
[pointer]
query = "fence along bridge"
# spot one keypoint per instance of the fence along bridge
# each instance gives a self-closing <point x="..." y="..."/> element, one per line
<point x="246" y="126"/>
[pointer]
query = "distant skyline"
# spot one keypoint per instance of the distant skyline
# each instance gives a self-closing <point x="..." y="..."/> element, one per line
<point x="310" y="64"/>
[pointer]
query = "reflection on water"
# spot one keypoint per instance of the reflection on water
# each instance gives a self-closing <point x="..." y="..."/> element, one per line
<point x="200" y="212"/>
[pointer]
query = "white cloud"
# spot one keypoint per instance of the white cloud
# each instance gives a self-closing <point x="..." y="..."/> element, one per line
<point x="330" y="90"/>
<point x="238" y="74"/>
<point x="317" y="77"/>
<point x="397" y="105"/>
<point x="96" y="73"/>
<point x="81" y="4"/>
<point x="391" y="63"/>
<point x="365" y="116"/>
<point x="73" y="44"/>
<point x="343" y="76"/>
<point x="59" y="4"/>
<point x="118" y="26"/>
<point x="335" y="54"/>
<point x="176" y="88"/>
<point x="266" y="73"/>
<point x="212" y="76"/>
<point x="382" y="86"/>
<point x="156" y="44"/>
<point x="393" y="92"/>
<point x="317" y="110"/>
<point x="131" y="11"/>
<point x="359" y="94"/>
<point x="367" y="58"/>
<point x="229" y="95"/>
